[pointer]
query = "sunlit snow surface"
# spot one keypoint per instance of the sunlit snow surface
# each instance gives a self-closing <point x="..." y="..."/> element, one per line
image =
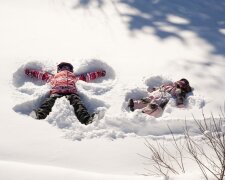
<point x="140" y="43"/>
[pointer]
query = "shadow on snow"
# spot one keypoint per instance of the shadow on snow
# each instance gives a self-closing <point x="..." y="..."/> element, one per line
<point x="205" y="18"/>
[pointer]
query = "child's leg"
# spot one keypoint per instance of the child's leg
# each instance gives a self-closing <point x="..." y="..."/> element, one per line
<point x="142" y="103"/>
<point x="43" y="111"/>
<point x="153" y="111"/>
<point x="79" y="109"/>
<point x="139" y="104"/>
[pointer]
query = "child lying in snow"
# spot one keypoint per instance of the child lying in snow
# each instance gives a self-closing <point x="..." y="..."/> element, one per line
<point x="64" y="84"/>
<point x="159" y="97"/>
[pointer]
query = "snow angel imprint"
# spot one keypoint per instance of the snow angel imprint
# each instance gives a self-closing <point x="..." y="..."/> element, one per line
<point x="63" y="83"/>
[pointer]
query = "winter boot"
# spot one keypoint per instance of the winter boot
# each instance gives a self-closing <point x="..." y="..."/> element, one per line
<point x="131" y="104"/>
<point x="91" y="119"/>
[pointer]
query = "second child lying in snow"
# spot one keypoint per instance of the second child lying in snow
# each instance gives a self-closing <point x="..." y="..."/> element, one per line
<point x="158" y="97"/>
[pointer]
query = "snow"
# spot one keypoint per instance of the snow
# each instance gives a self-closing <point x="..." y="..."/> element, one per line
<point x="140" y="44"/>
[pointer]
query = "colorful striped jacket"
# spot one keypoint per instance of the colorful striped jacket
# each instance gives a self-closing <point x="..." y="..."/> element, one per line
<point x="63" y="82"/>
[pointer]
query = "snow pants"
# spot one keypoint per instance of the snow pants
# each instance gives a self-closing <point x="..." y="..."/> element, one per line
<point x="79" y="109"/>
<point x="149" y="106"/>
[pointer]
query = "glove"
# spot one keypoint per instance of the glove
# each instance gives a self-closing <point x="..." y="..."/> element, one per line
<point x="27" y="71"/>
<point x="101" y="73"/>
<point x="31" y="73"/>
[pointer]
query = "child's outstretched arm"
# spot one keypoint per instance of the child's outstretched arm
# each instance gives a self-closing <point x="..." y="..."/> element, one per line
<point x="45" y="76"/>
<point x="92" y="75"/>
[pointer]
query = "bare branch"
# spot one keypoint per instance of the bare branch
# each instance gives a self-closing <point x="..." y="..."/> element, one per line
<point x="209" y="153"/>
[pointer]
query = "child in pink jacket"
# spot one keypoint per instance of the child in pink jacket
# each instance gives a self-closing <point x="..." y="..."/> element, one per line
<point x="63" y="83"/>
<point x="159" y="96"/>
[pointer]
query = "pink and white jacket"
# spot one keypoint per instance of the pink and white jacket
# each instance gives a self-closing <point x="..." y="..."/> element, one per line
<point x="63" y="82"/>
<point x="159" y="97"/>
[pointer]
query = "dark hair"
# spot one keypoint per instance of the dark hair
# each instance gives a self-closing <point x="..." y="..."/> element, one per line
<point x="188" y="88"/>
<point x="60" y="65"/>
<point x="185" y="81"/>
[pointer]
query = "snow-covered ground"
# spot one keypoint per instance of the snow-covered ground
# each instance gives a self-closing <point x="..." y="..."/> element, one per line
<point x="139" y="43"/>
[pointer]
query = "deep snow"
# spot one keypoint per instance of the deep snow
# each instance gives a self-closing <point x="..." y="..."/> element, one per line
<point x="139" y="44"/>
<point x="112" y="122"/>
